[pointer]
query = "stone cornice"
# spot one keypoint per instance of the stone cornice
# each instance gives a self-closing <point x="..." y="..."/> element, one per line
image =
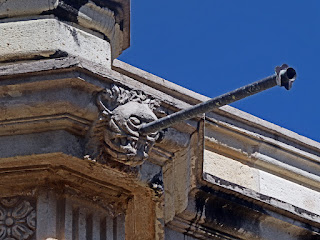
<point x="305" y="150"/>
<point x="67" y="170"/>
<point x="302" y="147"/>
<point x="301" y="165"/>
<point x="76" y="67"/>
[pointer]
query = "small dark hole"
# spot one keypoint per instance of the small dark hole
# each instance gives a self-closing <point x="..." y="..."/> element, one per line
<point x="291" y="73"/>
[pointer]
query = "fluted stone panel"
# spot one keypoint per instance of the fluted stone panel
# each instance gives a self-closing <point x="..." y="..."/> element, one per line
<point x="65" y="218"/>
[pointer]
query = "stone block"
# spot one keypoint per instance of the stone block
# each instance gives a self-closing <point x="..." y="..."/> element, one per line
<point x="45" y="38"/>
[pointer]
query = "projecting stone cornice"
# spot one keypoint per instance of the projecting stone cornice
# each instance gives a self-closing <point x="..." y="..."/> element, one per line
<point x="45" y="169"/>
<point x="66" y="71"/>
<point x="260" y="151"/>
<point x="65" y="99"/>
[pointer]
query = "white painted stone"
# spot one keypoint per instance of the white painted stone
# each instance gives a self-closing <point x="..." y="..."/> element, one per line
<point x="230" y="170"/>
<point x="44" y="37"/>
<point x="289" y="192"/>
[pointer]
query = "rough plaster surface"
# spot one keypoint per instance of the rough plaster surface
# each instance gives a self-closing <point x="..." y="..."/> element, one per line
<point x="49" y="37"/>
<point x="230" y="170"/>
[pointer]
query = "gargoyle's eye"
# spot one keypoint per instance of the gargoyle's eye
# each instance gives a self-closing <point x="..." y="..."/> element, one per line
<point x="135" y="120"/>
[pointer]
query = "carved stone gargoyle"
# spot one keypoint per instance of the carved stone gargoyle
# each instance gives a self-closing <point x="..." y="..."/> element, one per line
<point x="122" y="113"/>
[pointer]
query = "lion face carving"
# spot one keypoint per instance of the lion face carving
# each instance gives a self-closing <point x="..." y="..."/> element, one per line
<point x="124" y="112"/>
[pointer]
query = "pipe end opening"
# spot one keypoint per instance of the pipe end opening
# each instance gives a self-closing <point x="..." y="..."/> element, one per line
<point x="291" y="73"/>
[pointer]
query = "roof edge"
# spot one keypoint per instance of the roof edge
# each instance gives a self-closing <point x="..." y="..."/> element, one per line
<point x="193" y="98"/>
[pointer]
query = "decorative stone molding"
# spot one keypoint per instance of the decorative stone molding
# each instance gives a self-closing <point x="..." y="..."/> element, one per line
<point x="122" y="112"/>
<point x="17" y="219"/>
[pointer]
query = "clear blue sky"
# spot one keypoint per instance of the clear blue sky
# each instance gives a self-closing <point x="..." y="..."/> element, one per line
<point x="215" y="46"/>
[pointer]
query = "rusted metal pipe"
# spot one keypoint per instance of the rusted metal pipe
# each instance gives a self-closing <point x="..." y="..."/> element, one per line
<point x="284" y="77"/>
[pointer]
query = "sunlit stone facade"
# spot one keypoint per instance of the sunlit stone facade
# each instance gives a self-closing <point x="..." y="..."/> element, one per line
<point x="75" y="166"/>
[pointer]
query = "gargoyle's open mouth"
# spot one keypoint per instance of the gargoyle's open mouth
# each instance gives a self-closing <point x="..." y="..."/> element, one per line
<point x="126" y="147"/>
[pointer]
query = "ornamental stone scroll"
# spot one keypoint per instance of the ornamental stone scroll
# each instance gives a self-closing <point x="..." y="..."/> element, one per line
<point x="122" y="113"/>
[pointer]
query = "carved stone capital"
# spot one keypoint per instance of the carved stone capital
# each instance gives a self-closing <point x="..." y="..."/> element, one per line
<point x="122" y="113"/>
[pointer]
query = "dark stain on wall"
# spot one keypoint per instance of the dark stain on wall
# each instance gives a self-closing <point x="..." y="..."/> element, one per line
<point x="238" y="217"/>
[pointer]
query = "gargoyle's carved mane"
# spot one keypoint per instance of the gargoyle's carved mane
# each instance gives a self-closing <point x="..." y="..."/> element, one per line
<point x="116" y="96"/>
<point x="115" y="136"/>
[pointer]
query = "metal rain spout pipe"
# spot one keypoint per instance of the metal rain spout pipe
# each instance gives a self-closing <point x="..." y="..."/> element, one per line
<point x="284" y="76"/>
